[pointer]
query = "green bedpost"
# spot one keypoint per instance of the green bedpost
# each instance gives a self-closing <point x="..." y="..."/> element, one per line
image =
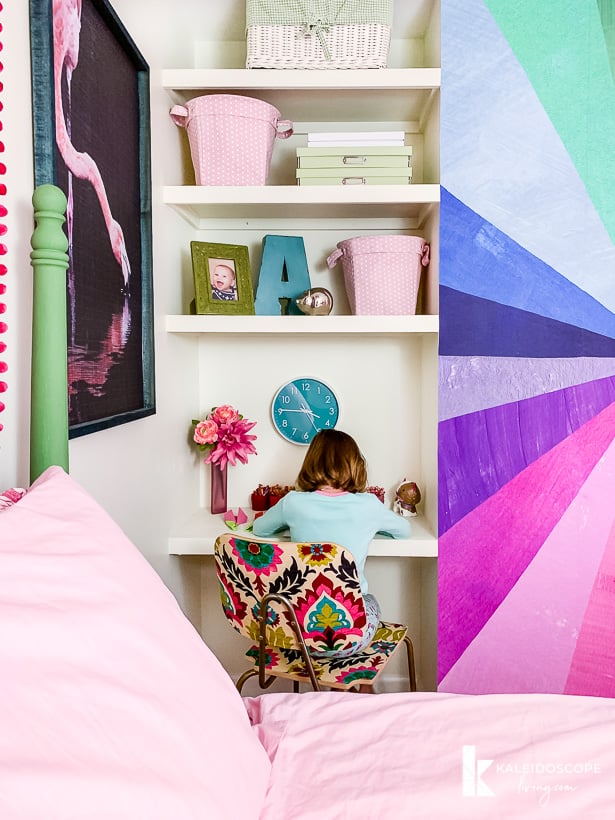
<point x="49" y="379"/>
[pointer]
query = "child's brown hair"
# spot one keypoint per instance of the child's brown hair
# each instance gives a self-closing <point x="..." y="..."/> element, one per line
<point x="333" y="459"/>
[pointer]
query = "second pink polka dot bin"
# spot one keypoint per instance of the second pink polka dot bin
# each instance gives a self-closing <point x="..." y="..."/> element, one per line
<point x="382" y="273"/>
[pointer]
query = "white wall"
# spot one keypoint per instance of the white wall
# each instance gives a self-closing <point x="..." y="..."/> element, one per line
<point x="143" y="472"/>
<point x="136" y="471"/>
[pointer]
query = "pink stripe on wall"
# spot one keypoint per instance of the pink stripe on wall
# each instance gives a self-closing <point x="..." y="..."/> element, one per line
<point x="528" y="643"/>
<point x="592" y="671"/>
<point x="484" y="554"/>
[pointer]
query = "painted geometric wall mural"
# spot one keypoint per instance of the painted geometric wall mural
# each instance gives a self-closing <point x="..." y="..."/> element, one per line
<point x="527" y="348"/>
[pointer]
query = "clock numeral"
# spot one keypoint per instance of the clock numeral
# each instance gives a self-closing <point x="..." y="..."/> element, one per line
<point x="285" y="399"/>
<point x="305" y="386"/>
<point x="327" y="399"/>
<point x="285" y="423"/>
<point x="294" y="431"/>
<point x="332" y="411"/>
<point x="306" y="436"/>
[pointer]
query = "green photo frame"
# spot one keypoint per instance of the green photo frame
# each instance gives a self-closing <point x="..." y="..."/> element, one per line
<point x="222" y="279"/>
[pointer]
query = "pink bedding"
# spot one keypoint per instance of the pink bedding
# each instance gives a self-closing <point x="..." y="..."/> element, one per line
<point x="341" y="756"/>
<point x="113" y="708"/>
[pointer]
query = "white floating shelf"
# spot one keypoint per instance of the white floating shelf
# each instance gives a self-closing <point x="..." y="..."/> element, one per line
<point x="402" y="94"/>
<point x="193" y="79"/>
<point x="201" y="203"/>
<point x="303" y="325"/>
<point x="197" y="535"/>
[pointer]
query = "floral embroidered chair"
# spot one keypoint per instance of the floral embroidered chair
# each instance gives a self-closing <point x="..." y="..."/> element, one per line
<point x="297" y="599"/>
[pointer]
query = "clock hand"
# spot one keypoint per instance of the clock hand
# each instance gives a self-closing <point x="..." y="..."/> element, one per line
<point x="305" y="409"/>
<point x="288" y="410"/>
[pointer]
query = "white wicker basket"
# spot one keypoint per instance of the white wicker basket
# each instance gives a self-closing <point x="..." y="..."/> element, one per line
<point x="318" y="33"/>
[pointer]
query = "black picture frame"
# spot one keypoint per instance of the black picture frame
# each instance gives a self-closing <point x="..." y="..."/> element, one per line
<point x="235" y="259"/>
<point x="92" y="139"/>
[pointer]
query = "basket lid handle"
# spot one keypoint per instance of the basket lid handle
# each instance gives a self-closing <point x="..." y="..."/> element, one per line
<point x="425" y="255"/>
<point x="333" y="257"/>
<point x="179" y="115"/>
<point x="287" y="129"/>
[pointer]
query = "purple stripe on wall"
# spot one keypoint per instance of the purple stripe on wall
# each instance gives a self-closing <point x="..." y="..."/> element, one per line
<point x="482" y="557"/>
<point x="480" y="452"/>
<point x="482" y="261"/>
<point x="471" y="383"/>
<point x="480" y="327"/>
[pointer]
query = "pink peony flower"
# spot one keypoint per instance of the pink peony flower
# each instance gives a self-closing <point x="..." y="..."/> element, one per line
<point x="226" y="435"/>
<point x="206" y="432"/>
<point x="225" y="414"/>
<point x="234" y="444"/>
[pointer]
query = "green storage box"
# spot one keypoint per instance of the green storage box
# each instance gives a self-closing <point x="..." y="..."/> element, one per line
<point x="351" y="158"/>
<point x="354" y="176"/>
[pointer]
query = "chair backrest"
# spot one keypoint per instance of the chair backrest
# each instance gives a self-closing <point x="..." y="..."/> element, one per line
<point x="319" y="580"/>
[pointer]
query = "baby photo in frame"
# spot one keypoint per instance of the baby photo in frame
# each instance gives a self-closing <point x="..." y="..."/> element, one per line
<point x="222" y="280"/>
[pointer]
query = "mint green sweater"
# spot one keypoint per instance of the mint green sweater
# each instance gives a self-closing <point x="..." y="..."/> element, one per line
<point x="348" y="519"/>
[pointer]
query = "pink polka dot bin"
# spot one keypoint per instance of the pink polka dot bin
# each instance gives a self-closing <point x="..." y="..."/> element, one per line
<point x="231" y="137"/>
<point x="382" y="273"/>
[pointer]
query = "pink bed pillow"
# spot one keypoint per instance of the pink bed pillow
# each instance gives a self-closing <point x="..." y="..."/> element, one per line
<point x="112" y="706"/>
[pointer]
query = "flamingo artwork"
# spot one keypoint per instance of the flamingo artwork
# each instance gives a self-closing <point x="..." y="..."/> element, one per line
<point x="96" y="156"/>
<point x="66" y="33"/>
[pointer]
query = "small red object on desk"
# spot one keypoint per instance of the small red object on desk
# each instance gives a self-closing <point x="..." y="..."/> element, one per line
<point x="378" y="492"/>
<point x="260" y="498"/>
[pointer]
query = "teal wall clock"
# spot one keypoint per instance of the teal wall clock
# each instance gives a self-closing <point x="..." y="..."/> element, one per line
<point x="302" y="407"/>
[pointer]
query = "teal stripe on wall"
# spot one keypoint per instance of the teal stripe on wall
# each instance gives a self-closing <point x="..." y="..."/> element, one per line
<point x="562" y="48"/>
<point x="607" y="17"/>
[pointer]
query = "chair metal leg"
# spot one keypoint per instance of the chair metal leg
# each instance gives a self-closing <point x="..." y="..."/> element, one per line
<point x="411" y="666"/>
<point x="307" y="660"/>
<point x="263" y="681"/>
<point x="249" y="673"/>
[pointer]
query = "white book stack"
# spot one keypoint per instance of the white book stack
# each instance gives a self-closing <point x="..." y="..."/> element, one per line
<point x="350" y="139"/>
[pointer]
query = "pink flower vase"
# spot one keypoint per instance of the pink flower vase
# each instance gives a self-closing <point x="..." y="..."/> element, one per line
<point x="219" y="502"/>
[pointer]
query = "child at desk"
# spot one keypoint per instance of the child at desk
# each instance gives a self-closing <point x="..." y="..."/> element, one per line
<point x="334" y="507"/>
